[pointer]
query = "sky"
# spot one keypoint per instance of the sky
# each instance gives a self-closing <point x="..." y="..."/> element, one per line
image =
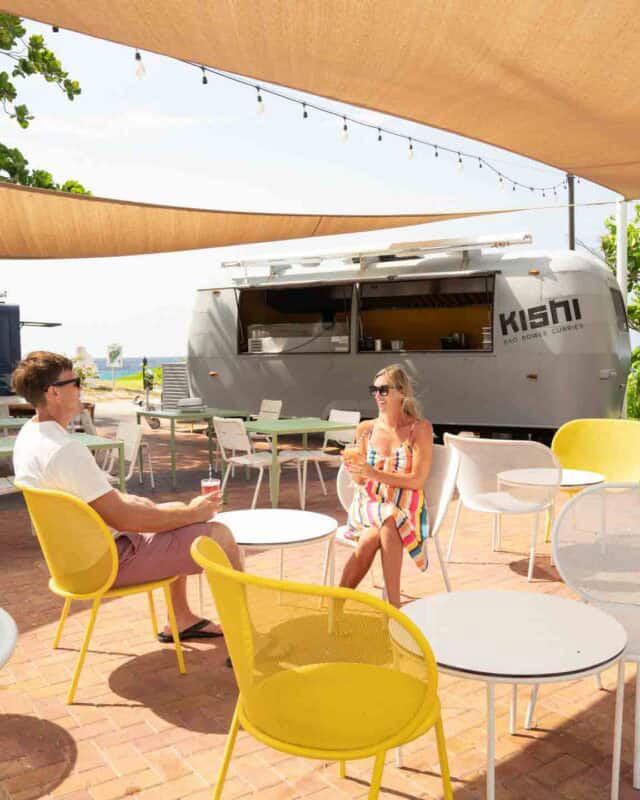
<point x="167" y="138"/>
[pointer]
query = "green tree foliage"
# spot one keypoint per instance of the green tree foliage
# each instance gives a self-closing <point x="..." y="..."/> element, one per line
<point x="633" y="261"/>
<point x="633" y="287"/>
<point x="30" y="57"/>
<point x="633" y="386"/>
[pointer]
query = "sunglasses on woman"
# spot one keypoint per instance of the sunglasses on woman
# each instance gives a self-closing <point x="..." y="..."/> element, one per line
<point x="382" y="390"/>
<point x="67" y="382"/>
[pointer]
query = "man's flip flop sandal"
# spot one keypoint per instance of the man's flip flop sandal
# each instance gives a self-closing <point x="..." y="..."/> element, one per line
<point x="194" y="632"/>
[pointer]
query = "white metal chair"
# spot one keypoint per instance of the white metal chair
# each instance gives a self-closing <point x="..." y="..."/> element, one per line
<point x="82" y="423"/>
<point x="596" y="548"/>
<point x="269" y="411"/>
<point x="131" y="434"/>
<point x="322" y="456"/>
<point x="233" y="439"/>
<point x="480" y="462"/>
<point x="438" y="490"/>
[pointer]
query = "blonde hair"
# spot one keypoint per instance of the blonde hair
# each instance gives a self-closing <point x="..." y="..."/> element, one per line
<point x="401" y="380"/>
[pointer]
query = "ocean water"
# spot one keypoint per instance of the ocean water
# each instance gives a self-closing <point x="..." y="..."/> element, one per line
<point x="132" y="365"/>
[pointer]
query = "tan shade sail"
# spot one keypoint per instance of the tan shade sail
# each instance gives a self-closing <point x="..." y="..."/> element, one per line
<point x="555" y="80"/>
<point x="37" y="223"/>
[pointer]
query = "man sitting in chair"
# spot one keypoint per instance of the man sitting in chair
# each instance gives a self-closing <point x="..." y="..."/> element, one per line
<point x="46" y="456"/>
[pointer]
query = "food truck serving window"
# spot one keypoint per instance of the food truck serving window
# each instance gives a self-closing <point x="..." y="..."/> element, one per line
<point x="427" y="314"/>
<point x="307" y="319"/>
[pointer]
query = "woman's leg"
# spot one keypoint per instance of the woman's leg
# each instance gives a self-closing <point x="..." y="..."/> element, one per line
<point x="392" y="548"/>
<point x="361" y="559"/>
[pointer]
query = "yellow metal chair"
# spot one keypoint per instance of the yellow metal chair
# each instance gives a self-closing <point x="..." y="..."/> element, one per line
<point x="323" y="672"/>
<point x="83" y="562"/>
<point x="608" y="446"/>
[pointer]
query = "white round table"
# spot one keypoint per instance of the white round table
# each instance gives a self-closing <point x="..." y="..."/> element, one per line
<point x="541" y="476"/>
<point x="265" y="528"/>
<point x="515" y="637"/>
<point x="8" y="636"/>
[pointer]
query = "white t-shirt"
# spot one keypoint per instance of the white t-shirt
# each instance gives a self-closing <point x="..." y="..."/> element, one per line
<point x="46" y="456"/>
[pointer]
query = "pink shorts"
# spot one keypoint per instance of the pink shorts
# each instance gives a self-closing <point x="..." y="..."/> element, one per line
<point x="154" y="556"/>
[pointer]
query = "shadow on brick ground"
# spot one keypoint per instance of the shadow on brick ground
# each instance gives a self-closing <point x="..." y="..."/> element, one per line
<point x="35" y="756"/>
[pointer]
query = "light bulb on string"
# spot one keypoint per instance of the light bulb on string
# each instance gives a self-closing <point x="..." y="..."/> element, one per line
<point x="410" y="153"/>
<point x="305" y="113"/>
<point x="459" y="165"/>
<point x="435" y="151"/>
<point x="260" y="108"/>
<point x="379" y="135"/>
<point x="55" y="28"/>
<point x="205" y="80"/>
<point x="140" y="70"/>
<point x="503" y="185"/>
<point x="344" y="133"/>
<point x="480" y="162"/>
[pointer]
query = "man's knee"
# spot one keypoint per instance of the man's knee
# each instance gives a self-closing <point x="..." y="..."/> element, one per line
<point x="223" y="536"/>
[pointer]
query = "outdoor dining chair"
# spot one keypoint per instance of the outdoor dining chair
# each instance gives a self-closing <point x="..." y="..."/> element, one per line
<point x="269" y="411"/>
<point x="323" y="672"/>
<point x="324" y="456"/>
<point x="596" y="548"/>
<point x="438" y="491"/>
<point x="480" y="462"/>
<point x="237" y="450"/>
<point x="135" y="451"/>
<point x="607" y="446"/>
<point x="81" y="556"/>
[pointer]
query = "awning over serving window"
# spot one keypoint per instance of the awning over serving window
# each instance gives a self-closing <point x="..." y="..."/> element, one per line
<point x="553" y="81"/>
<point x="37" y="223"/>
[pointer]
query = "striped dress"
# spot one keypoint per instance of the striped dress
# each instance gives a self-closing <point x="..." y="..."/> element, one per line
<point x="375" y="502"/>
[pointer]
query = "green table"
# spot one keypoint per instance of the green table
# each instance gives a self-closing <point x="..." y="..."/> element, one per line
<point x="94" y="443"/>
<point x="204" y="415"/>
<point x="12" y="423"/>
<point x="295" y="425"/>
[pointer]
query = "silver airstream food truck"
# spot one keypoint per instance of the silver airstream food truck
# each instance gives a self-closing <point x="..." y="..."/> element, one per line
<point x="497" y="341"/>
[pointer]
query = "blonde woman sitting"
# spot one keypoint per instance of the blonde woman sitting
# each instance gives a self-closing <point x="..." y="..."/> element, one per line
<point x="388" y="511"/>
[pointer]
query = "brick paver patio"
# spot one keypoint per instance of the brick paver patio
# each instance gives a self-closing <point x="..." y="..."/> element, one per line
<point x="139" y="729"/>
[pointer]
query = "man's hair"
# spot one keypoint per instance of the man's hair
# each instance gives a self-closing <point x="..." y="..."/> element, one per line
<point x="36" y="372"/>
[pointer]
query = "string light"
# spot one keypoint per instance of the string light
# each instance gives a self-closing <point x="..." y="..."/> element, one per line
<point x="344" y="133"/>
<point x="205" y="80"/>
<point x="140" y="70"/>
<point x="344" y="129"/>
<point x="260" y="109"/>
<point x="55" y="28"/>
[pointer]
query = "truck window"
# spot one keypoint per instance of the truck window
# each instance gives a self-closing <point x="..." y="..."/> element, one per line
<point x="620" y="310"/>
<point x="309" y="319"/>
<point x="427" y="315"/>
